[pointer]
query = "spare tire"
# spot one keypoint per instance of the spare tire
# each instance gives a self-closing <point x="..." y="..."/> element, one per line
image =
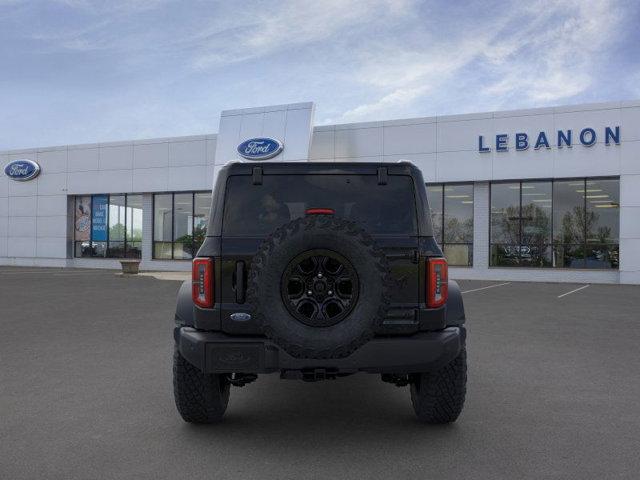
<point x="318" y="285"/>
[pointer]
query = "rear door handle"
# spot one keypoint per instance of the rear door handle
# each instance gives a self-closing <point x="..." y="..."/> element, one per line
<point x="240" y="282"/>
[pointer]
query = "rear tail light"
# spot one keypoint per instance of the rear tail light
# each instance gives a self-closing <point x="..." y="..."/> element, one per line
<point x="202" y="282"/>
<point x="437" y="282"/>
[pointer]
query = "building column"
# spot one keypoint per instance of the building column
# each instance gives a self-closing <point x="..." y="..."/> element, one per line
<point x="629" y="229"/>
<point x="481" y="213"/>
<point x="147" y="227"/>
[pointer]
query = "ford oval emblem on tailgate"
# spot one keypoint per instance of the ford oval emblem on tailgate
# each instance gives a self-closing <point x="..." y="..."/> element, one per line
<point x="240" y="317"/>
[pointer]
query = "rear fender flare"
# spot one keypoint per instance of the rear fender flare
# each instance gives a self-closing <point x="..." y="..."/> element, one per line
<point x="455" y="307"/>
<point x="184" y="306"/>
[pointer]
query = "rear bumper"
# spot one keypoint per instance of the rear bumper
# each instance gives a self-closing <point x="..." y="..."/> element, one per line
<point x="214" y="352"/>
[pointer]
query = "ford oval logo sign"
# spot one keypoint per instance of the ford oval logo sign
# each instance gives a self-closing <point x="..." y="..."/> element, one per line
<point x="22" y="170"/>
<point x="260" y="148"/>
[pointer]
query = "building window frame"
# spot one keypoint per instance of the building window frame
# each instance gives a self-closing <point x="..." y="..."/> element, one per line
<point x="126" y="247"/>
<point x="442" y="213"/>
<point x="554" y="244"/>
<point x="172" y="242"/>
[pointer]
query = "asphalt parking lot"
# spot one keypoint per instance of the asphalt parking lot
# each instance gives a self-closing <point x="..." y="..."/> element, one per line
<point x="85" y="392"/>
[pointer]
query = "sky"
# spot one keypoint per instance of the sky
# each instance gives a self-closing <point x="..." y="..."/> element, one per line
<point x="78" y="71"/>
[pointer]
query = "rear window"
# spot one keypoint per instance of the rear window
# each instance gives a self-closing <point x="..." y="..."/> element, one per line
<point x="259" y="209"/>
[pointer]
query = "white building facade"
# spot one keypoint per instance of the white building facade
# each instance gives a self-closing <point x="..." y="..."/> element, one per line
<point x="550" y="194"/>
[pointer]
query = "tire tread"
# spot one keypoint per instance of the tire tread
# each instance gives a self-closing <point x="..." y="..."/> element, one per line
<point x="438" y="397"/>
<point x="199" y="397"/>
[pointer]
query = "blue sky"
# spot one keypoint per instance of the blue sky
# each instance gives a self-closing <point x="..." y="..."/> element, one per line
<point x="76" y="71"/>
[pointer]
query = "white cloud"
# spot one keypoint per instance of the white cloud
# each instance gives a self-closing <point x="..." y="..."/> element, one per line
<point x="544" y="52"/>
<point x="112" y="6"/>
<point x="262" y="32"/>
<point x="556" y="63"/>
<point x="633" y="84"/>
<point x="158" y="68"/>
<point x="404" y="77"/>
<point x="397" y="98"/>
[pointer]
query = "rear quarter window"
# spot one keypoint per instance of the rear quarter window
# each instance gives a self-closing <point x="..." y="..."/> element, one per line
<point x="257" y="210"/>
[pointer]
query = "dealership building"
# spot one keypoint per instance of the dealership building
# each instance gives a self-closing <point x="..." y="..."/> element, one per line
<point x="548" y="194"/>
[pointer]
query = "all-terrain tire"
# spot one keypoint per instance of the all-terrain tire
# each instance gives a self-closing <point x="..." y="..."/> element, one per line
<point x="438" y="397"/>
<point x="200" y="397"/>
<point x="305" y="234"/>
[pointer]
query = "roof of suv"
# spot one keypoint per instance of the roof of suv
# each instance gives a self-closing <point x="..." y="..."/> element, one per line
<point x="365" y="168"/>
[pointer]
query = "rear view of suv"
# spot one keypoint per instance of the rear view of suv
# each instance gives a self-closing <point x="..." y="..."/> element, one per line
<point x="317" y="271"/>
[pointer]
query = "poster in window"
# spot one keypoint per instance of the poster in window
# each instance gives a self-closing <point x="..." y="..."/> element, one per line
<point x="99" y="218"/>
<point x="83" y="219"/>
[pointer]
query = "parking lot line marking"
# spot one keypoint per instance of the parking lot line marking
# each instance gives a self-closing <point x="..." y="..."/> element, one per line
<point x="484" y="288"/>
<point x="32" y="272"/>
<point x="55" y="274"/>
<point x="75" y="274"/>
<point x="573" y="291"/>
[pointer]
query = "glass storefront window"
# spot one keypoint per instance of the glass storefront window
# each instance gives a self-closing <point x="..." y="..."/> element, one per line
<point x="201" y="208"/>
<point x="162" y="225"/>
<point x="564" y="223"/>
<point x="117" y="220"/>
<point x="505" y="224"/>
<point x="535" y="240"/>
<point x="569" y="223"/>
<point x="82" y="226"/>
<point x="603" y="211"/>
<point x="603" y="223"/>
<point x="568" y="212"/>
<point x="451" y="208"/>
<point x="180" y="224"/>
<point x="434" y="195"/>
<point x="108" y="226"/>
<point x="134" y="226"/>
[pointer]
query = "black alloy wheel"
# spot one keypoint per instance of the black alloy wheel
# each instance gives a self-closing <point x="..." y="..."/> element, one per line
<point x="319" y="288"/>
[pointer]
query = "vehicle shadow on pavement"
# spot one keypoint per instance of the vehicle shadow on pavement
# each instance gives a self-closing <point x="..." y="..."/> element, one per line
<point x="359" y="406"/>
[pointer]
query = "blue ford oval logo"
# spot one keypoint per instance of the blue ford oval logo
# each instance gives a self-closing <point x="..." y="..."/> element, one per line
<point x="260" y="148"/>
<point x="240" y="317"/>
<point x="22" y="170"/>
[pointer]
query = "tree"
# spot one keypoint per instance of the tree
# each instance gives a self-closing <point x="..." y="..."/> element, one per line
<point x="525" y="232"/>
<point x="577" y="222"/>
<point x="116" y="232"/>
<point x="456" y="231"/>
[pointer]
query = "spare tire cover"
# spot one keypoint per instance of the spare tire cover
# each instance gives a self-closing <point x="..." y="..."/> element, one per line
<point x="318" y="285"/>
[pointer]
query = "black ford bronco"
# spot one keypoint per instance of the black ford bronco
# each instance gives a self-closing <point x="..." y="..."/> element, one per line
<point x="317" y="271"/>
